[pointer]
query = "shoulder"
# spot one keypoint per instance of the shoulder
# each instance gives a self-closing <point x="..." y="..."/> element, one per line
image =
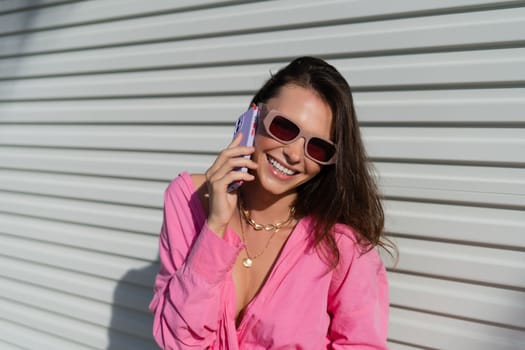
<point x="199" y="184"/>
<point x="189" y="187"/>
<point x="359" y="269"/>
<point x="182" y="184"/>
<point x="198" y="180"/>
<point x="354" y="254"/>
<point x="186" y="182"/>
<point x="347" y="238"/>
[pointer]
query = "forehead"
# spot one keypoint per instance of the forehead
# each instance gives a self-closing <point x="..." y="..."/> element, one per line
<point x="305" y="107"/>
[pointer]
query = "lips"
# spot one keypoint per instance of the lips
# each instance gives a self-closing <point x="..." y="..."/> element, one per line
<point x="280" y="168"/>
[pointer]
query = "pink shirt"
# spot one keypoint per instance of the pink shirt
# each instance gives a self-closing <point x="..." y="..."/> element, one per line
<point x="302" y="305"/>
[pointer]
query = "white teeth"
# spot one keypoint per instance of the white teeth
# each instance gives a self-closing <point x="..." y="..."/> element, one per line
<point x="281" y="168"/>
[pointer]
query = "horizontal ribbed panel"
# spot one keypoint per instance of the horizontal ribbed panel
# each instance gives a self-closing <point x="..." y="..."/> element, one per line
<point x="136" y="219"/>
<point x="479" y="185"/>
<point x="7" y="7"/>
<point x="359" y="39"/>
<point x="243" y="18"/>
<point x="406" y="71"/>
<point x="461" y="261"/>
<point x="20" y="336"/>
<point x="86" y="286"/>
<point x="85" y="333"/>
<point x="469" y="145"/>
<point x="80" y="236"/>
<point x="460" y="299"/>
<point x="113" y="163"/>
<point x="311" y="12"/>
<point x="437" y="107"/>
<point x="439" y="332"/>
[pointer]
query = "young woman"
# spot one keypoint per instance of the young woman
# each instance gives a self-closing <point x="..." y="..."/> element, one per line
<point x="287" y="261"/>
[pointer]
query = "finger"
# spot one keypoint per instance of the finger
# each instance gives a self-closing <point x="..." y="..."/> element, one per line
<point x="236" y="140"/>
<point x="230" y="153"/>
<point x="237" y="151"/>
<point x="234" y="176"/>
<point x="220" y="187"/>
<point x="231" y="164"/>
<point x="239" y="162"/>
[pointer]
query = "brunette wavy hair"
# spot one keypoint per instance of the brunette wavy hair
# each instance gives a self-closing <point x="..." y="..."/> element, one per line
<point x="345" y="192"/>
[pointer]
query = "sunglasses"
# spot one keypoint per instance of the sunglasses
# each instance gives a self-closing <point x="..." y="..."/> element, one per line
<point x="286" y="131"/>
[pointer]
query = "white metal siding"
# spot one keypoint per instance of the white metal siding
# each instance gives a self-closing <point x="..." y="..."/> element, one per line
<point x="103" y="102"/>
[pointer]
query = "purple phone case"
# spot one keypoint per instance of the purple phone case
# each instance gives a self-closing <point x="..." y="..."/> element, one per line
<point x="247" y="124"/>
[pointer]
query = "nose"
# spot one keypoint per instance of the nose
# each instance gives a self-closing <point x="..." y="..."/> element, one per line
<point x="294" y="152"/>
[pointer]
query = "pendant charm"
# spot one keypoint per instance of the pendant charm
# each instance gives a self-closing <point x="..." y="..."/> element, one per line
<point x="247" y="262"/>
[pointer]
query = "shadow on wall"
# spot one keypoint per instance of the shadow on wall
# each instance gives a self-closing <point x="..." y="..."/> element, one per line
<point x="131" y="321"/>
<point x="17" y="26"/>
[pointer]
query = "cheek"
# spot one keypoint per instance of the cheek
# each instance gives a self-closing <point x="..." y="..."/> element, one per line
<point x="257" y="142"/>
<point x="261" y="146"/>
<point x="264" y="143"/>
<point x="312" y="168"/>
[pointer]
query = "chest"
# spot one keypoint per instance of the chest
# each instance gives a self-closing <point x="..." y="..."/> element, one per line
<point x="283" y="303"/>
<point x="262" y="251"/>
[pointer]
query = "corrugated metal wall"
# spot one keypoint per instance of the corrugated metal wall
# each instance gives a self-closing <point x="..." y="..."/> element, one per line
<point x="103" y="102"/>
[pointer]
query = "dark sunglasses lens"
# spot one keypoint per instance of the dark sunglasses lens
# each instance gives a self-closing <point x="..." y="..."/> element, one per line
<point x="283" y="129"/>
<point x="320" y="150"/>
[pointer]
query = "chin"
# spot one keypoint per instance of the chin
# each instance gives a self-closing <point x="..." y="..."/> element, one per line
<point x="279" y="188"/>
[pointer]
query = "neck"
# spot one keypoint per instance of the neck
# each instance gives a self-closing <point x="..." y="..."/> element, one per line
<point x="266" y="207"/>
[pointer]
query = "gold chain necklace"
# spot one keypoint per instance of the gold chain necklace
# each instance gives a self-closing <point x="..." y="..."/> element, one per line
<point x="266" y="227"/>
<point x="248" y="261"/>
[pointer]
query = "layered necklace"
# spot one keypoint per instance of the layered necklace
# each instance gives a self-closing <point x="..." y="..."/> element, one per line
<point x="273" y="228"/>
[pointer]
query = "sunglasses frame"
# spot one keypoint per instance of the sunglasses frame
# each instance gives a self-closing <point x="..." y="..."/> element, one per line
<point x="267" y="117"/>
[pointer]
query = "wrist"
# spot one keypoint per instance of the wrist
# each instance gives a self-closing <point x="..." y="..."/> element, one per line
<point x="217" y="228"/>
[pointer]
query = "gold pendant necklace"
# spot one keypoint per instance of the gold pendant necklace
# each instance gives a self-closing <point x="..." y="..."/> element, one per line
<point x="248" y="261"/>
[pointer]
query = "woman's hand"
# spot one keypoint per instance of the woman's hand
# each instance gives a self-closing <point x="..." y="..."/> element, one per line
<point x="221" y="203"/>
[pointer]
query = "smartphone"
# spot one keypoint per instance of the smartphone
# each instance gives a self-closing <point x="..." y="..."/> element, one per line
<point x="247" y="124"/>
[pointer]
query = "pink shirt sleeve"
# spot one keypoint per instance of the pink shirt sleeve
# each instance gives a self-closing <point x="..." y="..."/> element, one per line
<point x="194" y="263"/>
<point x="358" y="299"/>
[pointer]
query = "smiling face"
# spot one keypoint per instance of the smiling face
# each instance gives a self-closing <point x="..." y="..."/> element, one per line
<point x="282" y="168"/>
